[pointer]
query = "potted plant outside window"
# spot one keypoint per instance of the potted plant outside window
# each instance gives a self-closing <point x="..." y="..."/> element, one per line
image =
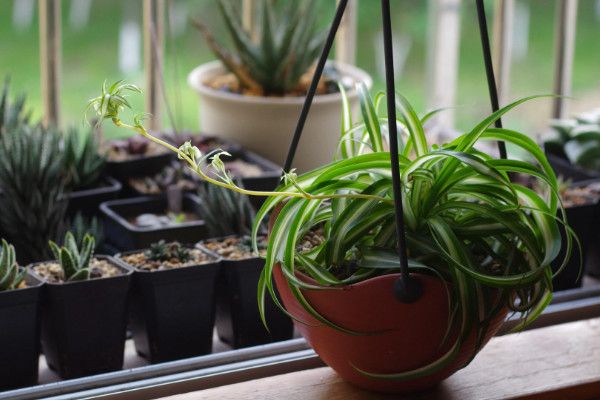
<point x="254" y="93"/>
<point x="84" y="311"/>
<point x="19" y="321"/>
<point x="480" y="245"/>
<point x="173" y="301"/>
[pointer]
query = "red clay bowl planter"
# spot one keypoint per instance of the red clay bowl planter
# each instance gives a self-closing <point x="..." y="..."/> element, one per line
<point x="238" y="320"/>
<point x="83" y="324"/>
<point x="20" y="335"/>
<point x="404" y="336"/>
<point x="173" y="310"/>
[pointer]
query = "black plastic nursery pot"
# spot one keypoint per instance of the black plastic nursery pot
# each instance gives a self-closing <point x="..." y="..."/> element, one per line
<point x="267" y="181"/>
<point x="583" y="219"/>
<point x="20" y="335"/>
<point x="563" y="168"/>
<point x="138" y="166"/>
<point x="88" y="201"/>
<point x="238" y="320"/>
<point x="83" y="324"/>
<point x="172" y="311"/>
<point x="125" y="236"/>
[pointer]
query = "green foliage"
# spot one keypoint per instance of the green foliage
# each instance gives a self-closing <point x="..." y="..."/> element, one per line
<point x="82" y="158"/>
<point x="225" y="212"/>
<point x="33" y="203"/>
<point x="74" y="260"/>
<point x="577" y="139"/>
<point x="288" y="45"/>
<point x="12" y="112"/>
<point x="490" y="239"/>
<point x="81" y="226"/>
<point x="10" y="275"/>
<point x="163" y="251"/>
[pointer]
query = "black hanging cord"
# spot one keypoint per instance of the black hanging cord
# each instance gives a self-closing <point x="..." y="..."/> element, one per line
<point x="314" y="84"/>
<point x="489" y="69"/>
<point x="406" y="289"/>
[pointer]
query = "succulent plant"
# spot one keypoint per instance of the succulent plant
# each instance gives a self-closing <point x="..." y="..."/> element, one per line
<point x="82" y="158"/>
<point x="577" y="139"/>
<point x="12" y="113"/>
<point x="81" y="226"/>
<point x="289" y="45"/>
<point x="10" y="276"/>
<point x="225" y="212"/>
<point x="33" y="203"/>
<point x="74" y="262"/>
<point x="163" y="251"/>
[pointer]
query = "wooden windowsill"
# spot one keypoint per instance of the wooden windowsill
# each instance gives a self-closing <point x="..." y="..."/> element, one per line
<point x="558" y="362"/>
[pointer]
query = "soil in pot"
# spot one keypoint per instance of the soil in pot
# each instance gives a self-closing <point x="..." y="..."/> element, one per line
<point x="135" y="156"/>
<point x="238" y="320"/>
<point x="173" y="307"/>
<point x="83" y="322"/>
<point x="20" y="334"/>
<point x="228" y="82"/>
<point x="171" y="175"/>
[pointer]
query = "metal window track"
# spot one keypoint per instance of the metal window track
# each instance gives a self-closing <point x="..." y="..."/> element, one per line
<point x="246" y="364"/>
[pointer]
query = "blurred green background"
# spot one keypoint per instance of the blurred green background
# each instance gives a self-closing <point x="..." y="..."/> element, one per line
<point x="105" y="42"/>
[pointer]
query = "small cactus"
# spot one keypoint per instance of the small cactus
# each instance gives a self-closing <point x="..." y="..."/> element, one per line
<point x="163" y="251"/>
<point x="10" y="276"/>
<point x="75" y="263"/>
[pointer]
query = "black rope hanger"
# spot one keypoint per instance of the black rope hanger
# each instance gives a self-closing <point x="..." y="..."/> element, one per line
<point x="406" y="289"/>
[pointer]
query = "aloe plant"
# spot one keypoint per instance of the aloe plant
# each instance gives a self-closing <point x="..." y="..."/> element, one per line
<point x="33" y="205"/>
<point x="10" y="275"/>
<point x="490" y="239"/>
<point x="82" y="159"/>
<point x="288" y="45"/>
<point x="225" y="212"/>
<point x="74" y="262"/>
<point x="12" y="111"/>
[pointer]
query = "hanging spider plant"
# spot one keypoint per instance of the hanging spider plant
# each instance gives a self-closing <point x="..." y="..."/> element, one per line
<point x="489" y="239"/>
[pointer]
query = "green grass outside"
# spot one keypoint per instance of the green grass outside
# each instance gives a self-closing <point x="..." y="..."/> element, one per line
<point x="90" y="56"/>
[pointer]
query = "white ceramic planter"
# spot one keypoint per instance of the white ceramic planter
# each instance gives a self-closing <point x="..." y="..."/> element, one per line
<point x="265" y="125"/>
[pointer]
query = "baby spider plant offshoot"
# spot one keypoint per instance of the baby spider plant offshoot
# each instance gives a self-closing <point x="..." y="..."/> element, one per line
<point x="491" y="240"/>
<point x="74" y="262"/>
<point x="113" y="100"/>
<point x="10" y="276"/>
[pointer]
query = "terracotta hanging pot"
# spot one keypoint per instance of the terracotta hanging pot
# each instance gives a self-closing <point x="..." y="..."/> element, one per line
<point x="403" y="337"/>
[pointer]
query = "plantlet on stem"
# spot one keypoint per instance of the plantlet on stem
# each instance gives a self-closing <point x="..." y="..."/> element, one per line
<point x="74" y="262"/>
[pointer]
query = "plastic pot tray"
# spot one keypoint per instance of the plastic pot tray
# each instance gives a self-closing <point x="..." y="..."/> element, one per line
<point x="238" y="320"/>
<point x="20" y="335"/>
<point x="126" y="236"/>
<point x="88" y="201"/>
<point x="83" y="324"/>
<point x="172" y="310"/>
